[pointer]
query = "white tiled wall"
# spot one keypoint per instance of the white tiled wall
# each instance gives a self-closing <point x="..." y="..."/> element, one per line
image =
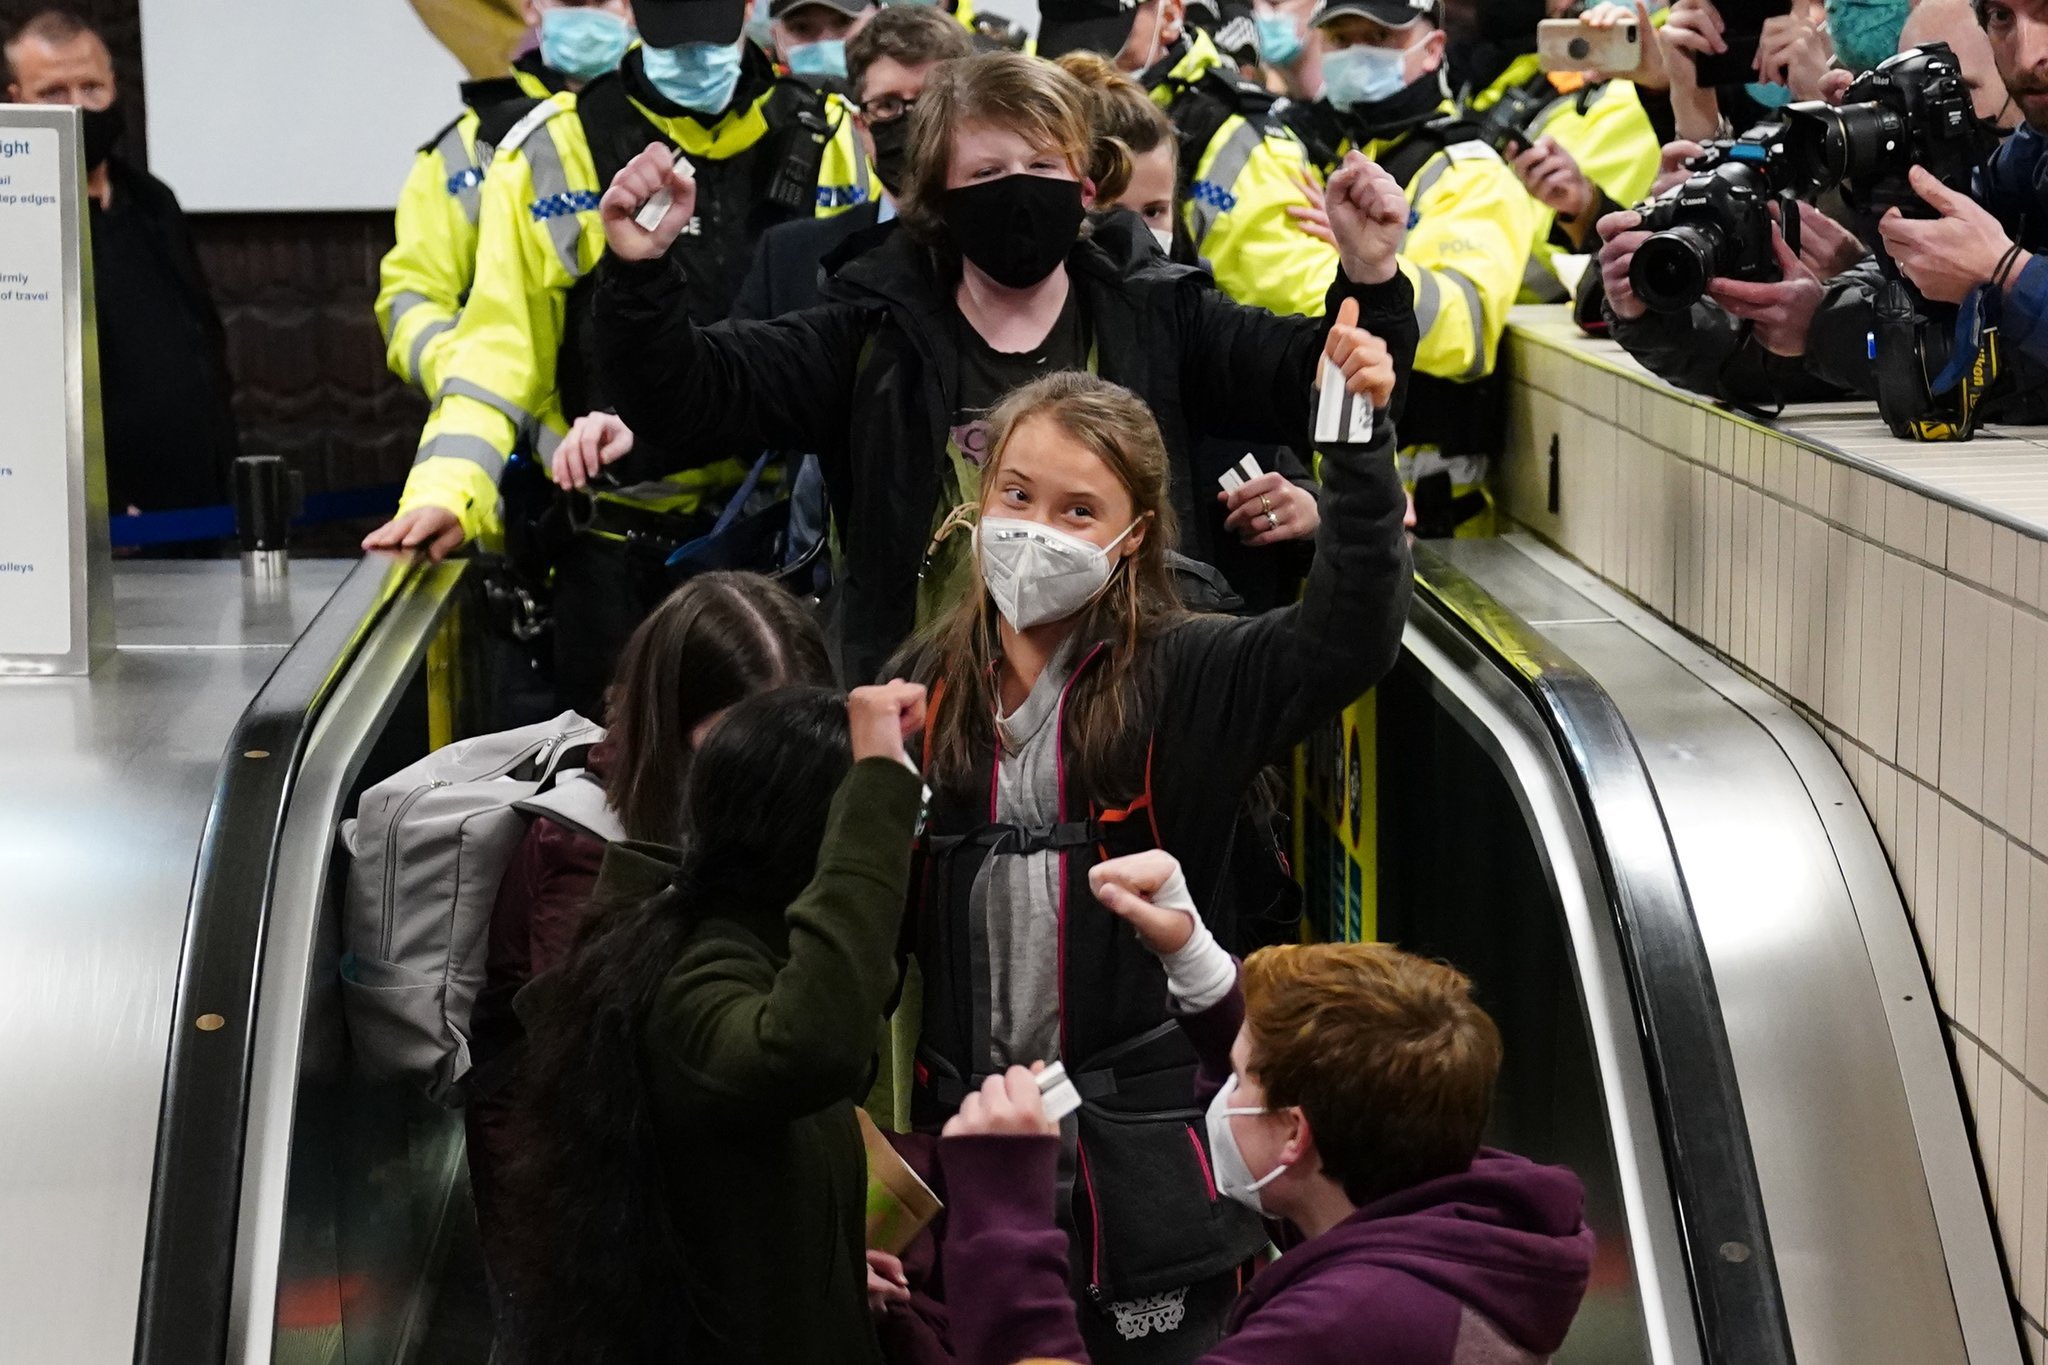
<point x="1908" y="631"/>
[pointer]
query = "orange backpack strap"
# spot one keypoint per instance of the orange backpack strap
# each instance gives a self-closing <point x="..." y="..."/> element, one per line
<point x="1143" y="803"/>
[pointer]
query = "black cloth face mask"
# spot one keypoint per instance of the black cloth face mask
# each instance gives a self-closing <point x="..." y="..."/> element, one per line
<point x="892" y="149"/>
<point x="1017" y="228"/>
<point x="99" y="129"/>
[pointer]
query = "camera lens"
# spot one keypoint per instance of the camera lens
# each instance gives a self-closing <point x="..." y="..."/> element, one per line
<point x="1671" y="271"/>
<point x="1857" y="142"/>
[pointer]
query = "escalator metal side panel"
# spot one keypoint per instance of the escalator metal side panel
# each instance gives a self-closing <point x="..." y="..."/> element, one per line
<point x="296" y="1030"/>
<point x="1492" y="709"/>
<point x="195" y="1195"/>
<point x="1892" y="1023"/>
<point x="1728" y="1255"/>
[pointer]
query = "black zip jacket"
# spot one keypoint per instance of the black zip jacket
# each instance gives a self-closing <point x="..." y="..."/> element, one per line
<point x="869" y="380"/>
<point x="1220" y="697"/>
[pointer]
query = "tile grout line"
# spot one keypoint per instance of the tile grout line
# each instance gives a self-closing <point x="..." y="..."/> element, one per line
<point x="2036" y="1091"/>
<point x="1826" y="518"/>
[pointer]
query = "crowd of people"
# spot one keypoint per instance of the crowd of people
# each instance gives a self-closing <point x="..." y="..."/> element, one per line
<point x="835" y="345"/>
<point x="1017" y="357"/>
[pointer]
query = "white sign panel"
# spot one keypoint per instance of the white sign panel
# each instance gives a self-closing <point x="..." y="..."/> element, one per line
<point x="53" y="555"/>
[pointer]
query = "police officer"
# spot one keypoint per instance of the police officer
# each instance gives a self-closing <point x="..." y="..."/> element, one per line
<point x="1240" y="171"/>
<point x="765" y="150"/>
<point x="1550" y="124"/>
<point x="1471" y="226"/>
<point x="428" y="272"/>
<point x="810" y="36"/>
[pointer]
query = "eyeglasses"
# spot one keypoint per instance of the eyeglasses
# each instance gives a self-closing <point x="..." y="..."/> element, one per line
<point x="887" y="108"/>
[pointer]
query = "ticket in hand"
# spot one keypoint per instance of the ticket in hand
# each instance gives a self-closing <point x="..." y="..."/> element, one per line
<point x="1343" y="418"/>
<point x="1240" y="474"/>
<point x="650" y="215"/>
<point x="1056" y="1092"/>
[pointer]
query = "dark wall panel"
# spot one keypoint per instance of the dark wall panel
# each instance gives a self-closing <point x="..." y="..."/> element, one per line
<point x="296" y="291"/>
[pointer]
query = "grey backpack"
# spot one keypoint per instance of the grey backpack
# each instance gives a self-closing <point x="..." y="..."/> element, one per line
<point x="429" y="846"/>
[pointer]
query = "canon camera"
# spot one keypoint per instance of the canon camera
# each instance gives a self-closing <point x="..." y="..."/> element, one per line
<point x="1913" y="110"/>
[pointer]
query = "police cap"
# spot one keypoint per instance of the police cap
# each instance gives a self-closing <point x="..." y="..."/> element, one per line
<point x="672" y="23"/>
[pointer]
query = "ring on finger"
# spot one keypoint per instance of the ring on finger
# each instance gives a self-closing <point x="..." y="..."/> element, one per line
<point x="1272" y="522"/>
<point x="1266" y="503"/>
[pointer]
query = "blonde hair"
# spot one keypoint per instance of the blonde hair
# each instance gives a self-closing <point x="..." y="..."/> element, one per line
<point x="1128" y="122"/>
<point x="1007" y="90"/>
<point x="1107" y="711"/>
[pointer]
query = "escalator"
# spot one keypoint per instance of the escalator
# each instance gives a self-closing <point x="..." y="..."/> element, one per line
<point x="1658" y="878"/>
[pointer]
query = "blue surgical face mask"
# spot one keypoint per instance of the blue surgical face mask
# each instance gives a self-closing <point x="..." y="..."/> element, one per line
<point x="1362" y="75"/>
<point x="1769" y="94"/>
<point x="822" y="60"/>
<point x="699" y="76"/>
<point x="583" y="43"/>
<point x="761" y="28"/>
<point x="1279" y="39"/>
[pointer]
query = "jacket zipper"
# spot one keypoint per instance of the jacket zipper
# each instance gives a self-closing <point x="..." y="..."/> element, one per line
<point x="542" y="754"/>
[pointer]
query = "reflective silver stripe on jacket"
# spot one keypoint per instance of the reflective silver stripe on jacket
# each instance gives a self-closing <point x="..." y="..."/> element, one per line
<point x="464" y="179"/>
<point x="466" y="388"/>
<point x="1540" y="282"/>
<point x="1429" y="301"/>
<point x="456" y="445"/>
<point x="1466" y="471"/>
<point x="551" y="188"/>
<point x="1215" y="194"/>
<point x="1464" y="286"/>
<point x="418" y="352"/>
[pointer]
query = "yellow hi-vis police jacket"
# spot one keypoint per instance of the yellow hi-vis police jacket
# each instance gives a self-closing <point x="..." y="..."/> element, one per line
<point x="1470" y="226"/>
<point x="1236" y="215"/>
<point x="539" y="234"/>
<point x="427" y="273"/>
<point x="1610" y="137"/>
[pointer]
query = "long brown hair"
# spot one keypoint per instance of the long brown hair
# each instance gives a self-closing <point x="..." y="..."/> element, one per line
<point x="719" y="638"/>
<point x="1128" y="123"/>
<point x="1108" y="718"/>
<point x="1036" y="100"/>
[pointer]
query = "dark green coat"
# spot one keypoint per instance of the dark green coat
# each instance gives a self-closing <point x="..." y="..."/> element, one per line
<point x="757" y="1047"/>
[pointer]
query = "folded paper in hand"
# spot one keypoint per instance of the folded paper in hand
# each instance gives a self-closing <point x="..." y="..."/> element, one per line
<point x="900" y="1205"/>
<point x="654" y="210"/>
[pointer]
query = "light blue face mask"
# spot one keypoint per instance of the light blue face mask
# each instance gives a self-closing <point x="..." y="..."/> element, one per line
<point x="822" y="60"/>
<point x="1279" y="39"/>
<point x="1769" y="94"/>
<point x="761" y="28"/>
<point x="699" y="76"/>
<point x="583" y="43"/>
<point x="1362" y="75"/>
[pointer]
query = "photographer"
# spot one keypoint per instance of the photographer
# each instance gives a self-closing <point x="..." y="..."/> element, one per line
<point x="1805" y="337"/>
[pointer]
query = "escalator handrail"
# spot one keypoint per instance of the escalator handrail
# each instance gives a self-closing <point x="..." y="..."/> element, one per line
<point x="195" y="1193"/>
<point x="1692" y="1080"/>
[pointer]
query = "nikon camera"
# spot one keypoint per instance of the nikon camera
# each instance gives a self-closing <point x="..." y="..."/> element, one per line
<point x="1913" y="109"/>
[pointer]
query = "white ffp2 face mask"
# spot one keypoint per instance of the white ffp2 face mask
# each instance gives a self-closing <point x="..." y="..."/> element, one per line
<point x="1233" y="1177"/>
<point x="1037" y="574"/>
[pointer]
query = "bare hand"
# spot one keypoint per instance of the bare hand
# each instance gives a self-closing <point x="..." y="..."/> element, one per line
<point x="1695" y="28"/>
<point x="1554" y="179"/>
<point x="1793" y="53"/>
<point x="1368" y="213"/>
<point x="1126" y="886"/>
<point x="1292" y="509"/>
<point x="596" y="440"/>
<point x="1835" y="83"/>
<point x="1945" y="257"/>
<point x="436" y="529"/>
<point x="1653" y="73"/>
<point x="1780" y="313"/>
<point x="637" y="182"/>
<point x="1825" y="246"/>
<point x="887" y="1284"/>
<point x="1312" y="217"/>
<point x="1620" y="235"/>
<point x="1361" y="356"/>
<point x="882" y="717"/>
<point x="1674" y="165"/>
<point x="1006" y="1106"/>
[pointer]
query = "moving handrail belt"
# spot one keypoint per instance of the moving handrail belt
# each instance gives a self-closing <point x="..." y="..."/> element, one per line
<point x="188" y="1251"/>
<point x="1693" y="1084"/>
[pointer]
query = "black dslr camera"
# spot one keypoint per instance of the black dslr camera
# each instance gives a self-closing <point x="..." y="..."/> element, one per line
<point x="1913" y="109"/>
<point x="1715" y="225"/>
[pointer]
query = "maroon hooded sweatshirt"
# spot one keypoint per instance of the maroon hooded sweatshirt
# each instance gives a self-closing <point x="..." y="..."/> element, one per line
<point x="1482" y="1268"/>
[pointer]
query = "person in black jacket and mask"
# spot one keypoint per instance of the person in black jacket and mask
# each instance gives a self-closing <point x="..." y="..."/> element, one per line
<point x="991" y="285"/>
<point x="164" y="387"/>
